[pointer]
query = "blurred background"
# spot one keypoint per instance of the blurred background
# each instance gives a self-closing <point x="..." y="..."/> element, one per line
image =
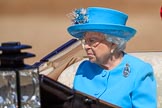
<point x="43" y="23"/>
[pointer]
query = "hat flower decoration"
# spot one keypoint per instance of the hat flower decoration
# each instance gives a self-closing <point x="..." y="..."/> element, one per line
<point x="80" y="16"/>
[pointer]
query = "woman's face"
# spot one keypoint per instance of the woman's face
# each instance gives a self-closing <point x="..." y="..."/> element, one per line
<point x="98" y="49"/>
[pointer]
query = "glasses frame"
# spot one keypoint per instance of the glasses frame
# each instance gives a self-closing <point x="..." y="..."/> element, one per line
<point x="92" y="42"/>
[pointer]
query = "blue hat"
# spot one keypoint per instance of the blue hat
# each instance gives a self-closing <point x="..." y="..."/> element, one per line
<point x="103" y="20"/>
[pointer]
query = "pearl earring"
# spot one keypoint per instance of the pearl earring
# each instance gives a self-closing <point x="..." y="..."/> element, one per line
<point x="112" y="51"/>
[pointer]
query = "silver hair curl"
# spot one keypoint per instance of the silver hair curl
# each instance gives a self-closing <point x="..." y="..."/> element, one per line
<point x="121" y="43"/>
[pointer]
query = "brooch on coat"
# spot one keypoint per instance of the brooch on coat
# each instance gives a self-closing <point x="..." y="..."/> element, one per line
<point x="126" y="70"/>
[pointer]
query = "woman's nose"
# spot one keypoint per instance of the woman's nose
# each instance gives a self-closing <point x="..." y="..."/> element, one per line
<point x="86" y="46"/>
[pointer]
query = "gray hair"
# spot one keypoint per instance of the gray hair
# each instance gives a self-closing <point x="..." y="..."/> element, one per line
<point x="120" y="42"/>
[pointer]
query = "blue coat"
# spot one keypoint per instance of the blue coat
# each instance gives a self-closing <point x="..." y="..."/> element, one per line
<point x="130" y="85"/>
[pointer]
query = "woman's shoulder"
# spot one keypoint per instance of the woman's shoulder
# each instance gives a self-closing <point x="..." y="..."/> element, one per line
<point x="136" y="62"/>
<point x="133" y="58"/>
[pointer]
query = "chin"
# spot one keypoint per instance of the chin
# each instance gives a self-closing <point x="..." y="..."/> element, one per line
<point x="92" y="60"/>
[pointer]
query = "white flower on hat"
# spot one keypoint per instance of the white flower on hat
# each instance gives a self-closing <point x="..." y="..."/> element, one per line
<point x="79" y="16"/>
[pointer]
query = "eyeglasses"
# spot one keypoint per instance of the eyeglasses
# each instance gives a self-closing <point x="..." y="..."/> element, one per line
<point x="92" y="42"/>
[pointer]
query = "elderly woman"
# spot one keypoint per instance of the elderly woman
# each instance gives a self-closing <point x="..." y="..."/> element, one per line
<point x="111" y="74"/>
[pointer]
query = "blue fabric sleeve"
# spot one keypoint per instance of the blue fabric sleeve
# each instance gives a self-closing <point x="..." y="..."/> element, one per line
<point x="144" y="94"/>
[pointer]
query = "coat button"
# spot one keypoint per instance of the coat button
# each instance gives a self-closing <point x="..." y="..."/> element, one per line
<point x="104" y="73"/>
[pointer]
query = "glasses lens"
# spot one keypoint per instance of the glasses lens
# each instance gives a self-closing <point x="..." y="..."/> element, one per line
<point x="91" y="41"/>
